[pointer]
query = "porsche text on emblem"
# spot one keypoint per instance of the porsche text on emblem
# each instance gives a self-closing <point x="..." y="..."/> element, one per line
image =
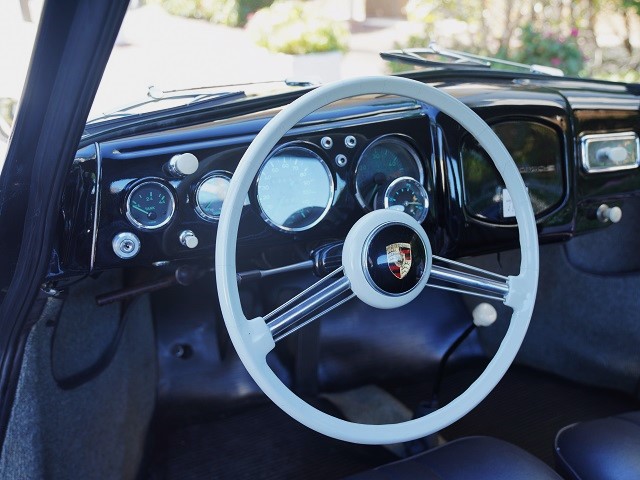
<point x="399" y="259"/>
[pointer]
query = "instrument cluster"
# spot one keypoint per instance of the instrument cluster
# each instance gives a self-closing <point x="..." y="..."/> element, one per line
<point x="297" y="185"/>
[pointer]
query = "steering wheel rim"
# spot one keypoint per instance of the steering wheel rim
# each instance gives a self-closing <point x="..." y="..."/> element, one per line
<point x="252" y="338"/>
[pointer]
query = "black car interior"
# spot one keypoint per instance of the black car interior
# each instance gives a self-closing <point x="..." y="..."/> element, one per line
<point x="128" y="370"/>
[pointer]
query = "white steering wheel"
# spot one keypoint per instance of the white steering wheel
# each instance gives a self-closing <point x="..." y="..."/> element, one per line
<point x="254" y="338"/>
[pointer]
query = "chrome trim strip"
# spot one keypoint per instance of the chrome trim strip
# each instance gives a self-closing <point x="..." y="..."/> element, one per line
<point x="96" y="211"/>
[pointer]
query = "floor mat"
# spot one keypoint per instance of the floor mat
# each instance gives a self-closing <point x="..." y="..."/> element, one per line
<point x="372" y="405"/>
<point x="262" y="444"/>
<point x="527" y="408"/>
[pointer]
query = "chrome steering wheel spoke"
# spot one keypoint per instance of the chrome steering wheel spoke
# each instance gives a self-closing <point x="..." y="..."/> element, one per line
<point x="320" y="298"/>
<point x="450" y="275"/>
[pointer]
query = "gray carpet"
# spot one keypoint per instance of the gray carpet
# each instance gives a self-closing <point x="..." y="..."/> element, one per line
<point x="98" y="429"/>
<point x="585" y="326"/>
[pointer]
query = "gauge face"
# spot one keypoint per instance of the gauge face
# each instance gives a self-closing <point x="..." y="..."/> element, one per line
<point x="211" y="193"/>
<point x="384" y="160"/>
<point x="409" y="196"/>
<point x="294" y="189"/>
<point x="150" y="205"/>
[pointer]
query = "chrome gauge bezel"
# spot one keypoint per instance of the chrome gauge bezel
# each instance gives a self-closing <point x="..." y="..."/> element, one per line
<point x="332" y="188"/>
<point x="425" y="196"/>
<point x="392" y="138"/>
<point x="196" y="196"/>
<point x="138" y="186"/>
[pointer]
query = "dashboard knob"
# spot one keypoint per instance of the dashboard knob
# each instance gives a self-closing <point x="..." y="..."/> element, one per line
<point x="605" y="213"/>
<point x="615" y="155"/>
<point x="484" y="314"/>
<point x="188" y="239"/>
<point x="182" y="165"/>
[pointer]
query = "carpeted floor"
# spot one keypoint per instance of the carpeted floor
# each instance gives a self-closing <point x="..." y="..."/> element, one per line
<point x="527" y="408"/>
<point x="261" y="444"/>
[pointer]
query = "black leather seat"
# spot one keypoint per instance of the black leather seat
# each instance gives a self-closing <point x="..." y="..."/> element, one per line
<point x="478" y="458"/>
<point x="603" y="449"/>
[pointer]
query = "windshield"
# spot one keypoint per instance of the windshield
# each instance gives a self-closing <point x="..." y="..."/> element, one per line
<point x="179" y="45"/>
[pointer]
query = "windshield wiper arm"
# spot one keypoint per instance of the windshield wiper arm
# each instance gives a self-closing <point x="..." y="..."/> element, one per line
<point x="422" y="57"/>
<point x="157" y="93"/>
<point x="155" y="97"/>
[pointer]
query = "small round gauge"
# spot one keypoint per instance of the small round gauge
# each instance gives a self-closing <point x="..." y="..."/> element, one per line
<point x="409" y="196"/>
<point x="210" y="194"/>
<point x="294" y="188"/>
<point x="384" y="160"/>
<point x="150" y="205"/>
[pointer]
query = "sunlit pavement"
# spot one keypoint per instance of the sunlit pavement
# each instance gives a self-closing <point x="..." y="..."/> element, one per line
<point x="170" y="52"/>
<point x="155" y="48"/>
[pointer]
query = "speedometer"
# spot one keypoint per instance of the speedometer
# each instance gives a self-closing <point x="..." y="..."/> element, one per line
<point x="294" y="188"/>
<point x="384" y="160"/>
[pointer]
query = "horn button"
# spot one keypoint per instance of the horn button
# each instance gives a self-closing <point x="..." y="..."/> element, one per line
<point x="387" y="258"/>
<point x="395" y="259"/>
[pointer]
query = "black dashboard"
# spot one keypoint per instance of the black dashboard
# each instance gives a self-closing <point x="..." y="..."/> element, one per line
<point x="153" y="198"/>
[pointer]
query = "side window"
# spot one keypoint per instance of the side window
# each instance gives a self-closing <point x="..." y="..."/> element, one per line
<point x="18" y="25"/>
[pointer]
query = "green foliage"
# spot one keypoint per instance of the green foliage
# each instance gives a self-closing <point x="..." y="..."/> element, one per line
<point x="631" y="4"/>
<point x="296" y="28"/>
<point x="421" y="11"/>
<point x="233" y="13"/>
<point x="546" y="48"/>
<point x="187" y="8"/>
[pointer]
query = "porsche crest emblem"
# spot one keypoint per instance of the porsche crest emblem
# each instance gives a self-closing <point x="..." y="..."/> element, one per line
<point x="399" y="259"/>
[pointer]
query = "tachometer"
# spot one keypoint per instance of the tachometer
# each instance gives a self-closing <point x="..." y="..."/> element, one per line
<point x="150" y="205"/>
<point x="384" y="160"/>
<point x="294" y="188"/>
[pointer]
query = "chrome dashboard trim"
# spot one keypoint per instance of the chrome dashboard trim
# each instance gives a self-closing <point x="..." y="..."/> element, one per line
<point x="96" y="211"/>
<point x="586" y="140"/>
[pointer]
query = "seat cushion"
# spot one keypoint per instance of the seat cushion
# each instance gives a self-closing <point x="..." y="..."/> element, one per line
<point x="467" y="458"/>
<point x="603" y="449"/>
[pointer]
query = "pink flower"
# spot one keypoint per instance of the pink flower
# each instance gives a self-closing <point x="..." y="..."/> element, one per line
<point x="555" y="61"/>
<point x="574" y="32"/>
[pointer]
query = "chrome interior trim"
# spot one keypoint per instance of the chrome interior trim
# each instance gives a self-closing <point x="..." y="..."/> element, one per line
<point x="586" y="140"/>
